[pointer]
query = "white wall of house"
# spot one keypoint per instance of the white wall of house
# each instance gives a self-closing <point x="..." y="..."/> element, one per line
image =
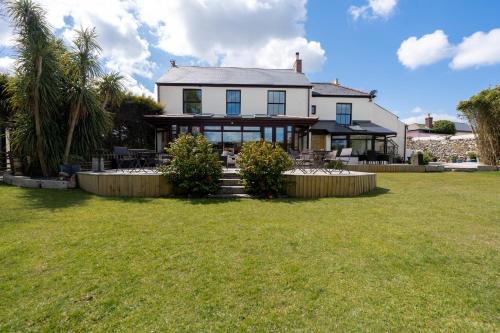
<point x="362" y="109"/>
<point x="253" y="99"/>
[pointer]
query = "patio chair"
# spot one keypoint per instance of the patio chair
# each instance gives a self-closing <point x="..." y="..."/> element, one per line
<point x="330" y="156"/>
<point x="123" y="158"/>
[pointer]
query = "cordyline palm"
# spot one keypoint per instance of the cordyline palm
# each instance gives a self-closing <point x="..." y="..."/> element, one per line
<point x="37" y="68"/>
<point x="110" y="89"/>
<point x="84" y="68"/>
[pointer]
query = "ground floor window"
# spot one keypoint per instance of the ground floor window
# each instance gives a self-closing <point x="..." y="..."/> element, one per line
<point x="231" y="137"/>
<point x="360" y="144"/>
<point x="339" y="142"/>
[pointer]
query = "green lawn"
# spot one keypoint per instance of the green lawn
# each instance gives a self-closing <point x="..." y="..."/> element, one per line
<point x="420" y="253"/>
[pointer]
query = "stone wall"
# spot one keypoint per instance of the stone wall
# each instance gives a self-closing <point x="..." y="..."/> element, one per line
<point x="445" y="147"/>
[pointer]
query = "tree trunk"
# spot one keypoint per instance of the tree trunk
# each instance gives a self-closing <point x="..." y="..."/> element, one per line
<point x="38" y="121"/>
<point x="106" y="100"/>
<point x="72" y="124"/>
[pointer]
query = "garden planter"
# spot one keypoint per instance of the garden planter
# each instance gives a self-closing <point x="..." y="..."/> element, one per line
<point x="17" y="166"/>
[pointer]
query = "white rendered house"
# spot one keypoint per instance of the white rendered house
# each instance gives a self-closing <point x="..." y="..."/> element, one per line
<point x="231" y="105"/>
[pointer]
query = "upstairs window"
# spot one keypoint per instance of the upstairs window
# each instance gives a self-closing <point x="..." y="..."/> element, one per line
<point x="233" y="102"/>
<point x="313" y="109"/>
<point x="276" y="101"/>
<point x="192" y="101"/>
<point x="344" y="113"/>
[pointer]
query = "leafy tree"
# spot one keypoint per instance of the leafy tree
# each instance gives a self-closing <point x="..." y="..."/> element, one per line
<point x="38" y="70"/>
<point x="6" y="110"/>
<point x="53" y="93"/>
<point x="483" y="113"/>
<point x="110" y="89"/>
<point x="129" y="127"/>
<point x="83" y="69"/>
<point x="444" y="127"/>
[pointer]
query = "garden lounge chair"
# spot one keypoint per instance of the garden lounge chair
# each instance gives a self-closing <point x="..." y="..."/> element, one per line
<point x="345" y="157"/>
<point x="330" y="156"/>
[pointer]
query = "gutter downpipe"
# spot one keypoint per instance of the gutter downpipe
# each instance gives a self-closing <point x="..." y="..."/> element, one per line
<point x="404" y="144"/>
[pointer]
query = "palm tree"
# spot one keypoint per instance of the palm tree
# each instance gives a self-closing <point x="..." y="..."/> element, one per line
<point x="37" y="68"/>
<point x="84" y="68"/>
<point x="110" y="89"/>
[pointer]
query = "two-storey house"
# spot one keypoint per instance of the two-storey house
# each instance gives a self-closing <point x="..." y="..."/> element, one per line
<point x="230" y="106"/>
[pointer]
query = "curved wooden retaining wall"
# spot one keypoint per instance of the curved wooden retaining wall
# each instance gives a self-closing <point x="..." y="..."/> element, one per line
<point x="120" y="184"/>
<point x="319" y="186"/>
<point x="299" y="185"/>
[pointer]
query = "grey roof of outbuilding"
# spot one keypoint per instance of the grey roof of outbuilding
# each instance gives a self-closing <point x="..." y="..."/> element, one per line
<point x="462" y="127"/>
<point x="192" y="75"/>
<point x="459" y="127"/>
<point x="359" y="127"/>
<point x="332" y="89"/>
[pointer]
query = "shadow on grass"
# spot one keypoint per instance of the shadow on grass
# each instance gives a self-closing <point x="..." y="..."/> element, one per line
<point x="289" y="200"/>
<point x="53" y="199"/>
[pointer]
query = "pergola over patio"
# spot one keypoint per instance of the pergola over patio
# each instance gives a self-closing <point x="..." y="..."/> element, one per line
<point x="230" y="132"/>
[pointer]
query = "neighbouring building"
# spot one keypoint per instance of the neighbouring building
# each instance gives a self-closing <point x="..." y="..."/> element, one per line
<point x="231" y="105"/>
<point x="420" y="130"/>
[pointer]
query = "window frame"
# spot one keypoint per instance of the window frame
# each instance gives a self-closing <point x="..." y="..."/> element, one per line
<point x="236" y="103"/>
<point x="343" y="114"/>
<point x="273" y="103"/>
<point x="184" y="101"/>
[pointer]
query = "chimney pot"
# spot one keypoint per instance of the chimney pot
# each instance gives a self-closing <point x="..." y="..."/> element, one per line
<point x="428" y="121"/>
<point x="297" y="66"/>
<point x="336" y="82"/>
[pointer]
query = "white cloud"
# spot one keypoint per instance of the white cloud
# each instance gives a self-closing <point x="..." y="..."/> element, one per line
<point x="6" y="38"/>
<point x="422" y="114"/>
<point x="374" y="9"/>
<point x="7" y="64"/>
<point x="252" y="33"/>
<point x="428" y="49"/>
<point x="479" y="49"/>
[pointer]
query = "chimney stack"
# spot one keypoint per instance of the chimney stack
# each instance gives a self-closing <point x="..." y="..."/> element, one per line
<point x="297" y="66"/>
<point x="428" y="121"/>
<point x="336" y="82"/>
<point x="172" y="63"/>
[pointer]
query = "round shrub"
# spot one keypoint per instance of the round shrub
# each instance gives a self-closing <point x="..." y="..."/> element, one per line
<point x="194" y="168"/>
<point x="261" y="167"/>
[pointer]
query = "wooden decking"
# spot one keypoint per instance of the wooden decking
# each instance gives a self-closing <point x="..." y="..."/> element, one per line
<point x="123" y="184"/>
<point x="329" y="185"/>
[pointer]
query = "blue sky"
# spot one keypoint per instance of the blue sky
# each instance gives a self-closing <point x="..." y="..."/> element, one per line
<point x="422" y="56"/>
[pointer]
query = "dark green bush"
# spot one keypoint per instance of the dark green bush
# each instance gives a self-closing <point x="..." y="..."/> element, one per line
<point x="194" y="168"/>
<point x="335" y="165"/>
<point x="427" y="157"/>
<point x="261" y="167"/>
<point x="443" y="127"/>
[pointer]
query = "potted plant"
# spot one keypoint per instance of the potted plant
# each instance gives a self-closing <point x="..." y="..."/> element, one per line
<point x="472" y="156"/>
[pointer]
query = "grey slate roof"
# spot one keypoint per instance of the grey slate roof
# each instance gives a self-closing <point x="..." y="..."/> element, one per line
<point x="187" y="75"/>
<point x="332" y="89"/>
<point x="462" y="127"/>
<point x="459" y="127"/>
<point x="359" y="127"/>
